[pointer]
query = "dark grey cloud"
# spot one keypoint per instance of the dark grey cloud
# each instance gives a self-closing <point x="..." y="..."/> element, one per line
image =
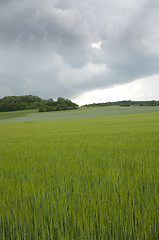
<point x="45" y="46"/>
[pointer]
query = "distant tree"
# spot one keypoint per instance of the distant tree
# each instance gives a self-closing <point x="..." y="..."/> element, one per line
<point x="60" y="104"/>
<point x="153" y="103"/>
<point x="14" y="103"/>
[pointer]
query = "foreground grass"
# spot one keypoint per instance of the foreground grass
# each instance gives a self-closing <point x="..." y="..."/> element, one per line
<point x="95" y="178"/>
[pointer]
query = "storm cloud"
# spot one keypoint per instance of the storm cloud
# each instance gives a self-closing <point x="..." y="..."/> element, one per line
<point x="64" y="48"/>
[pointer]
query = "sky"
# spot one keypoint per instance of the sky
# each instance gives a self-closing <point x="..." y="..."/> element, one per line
<point x="88" y="51"/>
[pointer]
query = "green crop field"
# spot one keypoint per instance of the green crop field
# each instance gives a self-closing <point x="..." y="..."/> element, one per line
<point x="82" y="112"/>
<point x="82" y="178"/>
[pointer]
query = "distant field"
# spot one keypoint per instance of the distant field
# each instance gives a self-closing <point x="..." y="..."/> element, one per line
<point x="82" y="179"/>
<point x="15" y="114"/>
<point x="33" y="115"/>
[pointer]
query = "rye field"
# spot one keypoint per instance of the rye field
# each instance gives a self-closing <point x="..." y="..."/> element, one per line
<point x="83" y="178"/>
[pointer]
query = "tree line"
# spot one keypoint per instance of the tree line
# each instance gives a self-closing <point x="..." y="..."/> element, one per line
<point x="124" y="103"/>
<point x="15" y="103"/>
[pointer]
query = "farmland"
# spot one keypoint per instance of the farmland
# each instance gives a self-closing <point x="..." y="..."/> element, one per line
<point x="82" y="112"/>
<point x="80" y="176"/>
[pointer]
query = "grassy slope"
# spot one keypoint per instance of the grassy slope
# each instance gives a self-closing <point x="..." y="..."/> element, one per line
<point x="79" y="113"/>
<point x="92" y="178"/>
<point x="15" y="114"/>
